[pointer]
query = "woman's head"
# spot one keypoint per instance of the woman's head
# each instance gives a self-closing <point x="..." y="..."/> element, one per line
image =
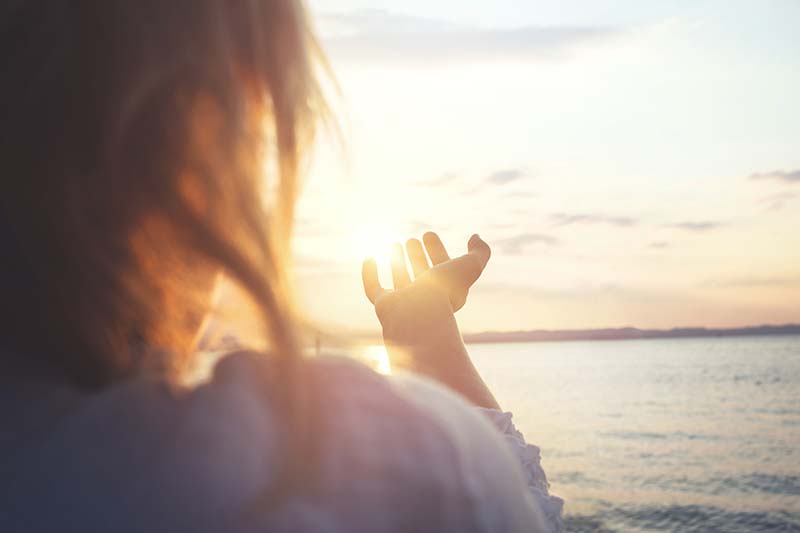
<point x="133" y="140"/>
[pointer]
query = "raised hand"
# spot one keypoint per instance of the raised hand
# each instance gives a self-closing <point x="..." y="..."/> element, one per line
<point x="454" y="276"/>
<point x="414" y="310"/>
<point x="419" y="327"/>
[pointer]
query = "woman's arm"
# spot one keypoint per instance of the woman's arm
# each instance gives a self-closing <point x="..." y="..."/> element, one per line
<point x="419" y="326"/>
<point x="421" y="334"/>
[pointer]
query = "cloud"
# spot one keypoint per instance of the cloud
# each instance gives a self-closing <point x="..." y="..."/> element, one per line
<point x="519" y="243"/>
<point x="502" y="177"/>
<point x="444" y="179"/>
<point x="418" y="227"/>
<point x="579" y="293"/>
<point x="376" y="36"/>
<point x="658" y="245"/>
<point x="377" y="21"/>
<point x="788" y="177"/>
<point x="565" y="219"/>
<point x="777" y="201"/>
<point x="521" y="194"/>
<point x="738" y="283"/>
<point x="696" y="226"/>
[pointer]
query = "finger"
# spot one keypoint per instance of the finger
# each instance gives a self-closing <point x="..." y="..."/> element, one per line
<point x="435" y="248"/>
<point x="465" y="270"/>
<point x="478" y="247"/>
<point x="372" y="285"/>
<point x="416" y="256"/>
<point x="399" y="272"/>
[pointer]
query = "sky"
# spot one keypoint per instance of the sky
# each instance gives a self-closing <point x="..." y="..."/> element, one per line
<point x="631" y="163"/>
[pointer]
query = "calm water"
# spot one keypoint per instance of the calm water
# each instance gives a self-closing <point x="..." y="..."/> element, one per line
<point x="661" y="435"/>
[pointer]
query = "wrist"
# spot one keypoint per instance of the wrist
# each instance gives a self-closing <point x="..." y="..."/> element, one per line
<point x="422" y="319"/>
<point x="450" y="365"/>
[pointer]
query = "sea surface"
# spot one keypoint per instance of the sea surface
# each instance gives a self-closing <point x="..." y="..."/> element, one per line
<point x="660" y="435"/>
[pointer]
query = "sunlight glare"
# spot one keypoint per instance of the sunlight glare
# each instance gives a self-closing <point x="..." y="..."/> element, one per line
<point x="375" y="241"/>
<point x="377" y="358"/>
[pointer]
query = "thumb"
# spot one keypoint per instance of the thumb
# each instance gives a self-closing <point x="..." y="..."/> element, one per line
<point x="478" y="247"/>
<point x="463" y="271"/>
<point x="479" y="252"/>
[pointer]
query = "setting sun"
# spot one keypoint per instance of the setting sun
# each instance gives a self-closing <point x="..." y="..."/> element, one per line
<point x="375" y="241"/>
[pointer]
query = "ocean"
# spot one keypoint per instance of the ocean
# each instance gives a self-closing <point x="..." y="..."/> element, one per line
<point x="660" y="435"/>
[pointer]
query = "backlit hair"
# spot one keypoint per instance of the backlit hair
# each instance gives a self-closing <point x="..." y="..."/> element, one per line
<point x="134" y="140"/>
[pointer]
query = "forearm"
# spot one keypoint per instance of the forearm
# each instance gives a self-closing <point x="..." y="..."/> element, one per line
<point x="419" y="325"/>
<point x="452" y="368"/>
<point x="431" y="345"/>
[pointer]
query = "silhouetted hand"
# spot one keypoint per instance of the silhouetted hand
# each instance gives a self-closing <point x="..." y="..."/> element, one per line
<point x="420" y="313"/>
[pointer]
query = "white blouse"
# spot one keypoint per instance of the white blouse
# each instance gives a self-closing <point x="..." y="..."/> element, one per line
<point x="397" y="454"/>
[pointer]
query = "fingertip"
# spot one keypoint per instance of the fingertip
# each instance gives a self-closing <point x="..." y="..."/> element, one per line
<point x="397" y="252"/>
<point x="416" y="256"/>
<point x="400" y="275"/>
<point x="369" y="270"/>
<point x="478" y="246"/>
<point x="436" y="250"/>
<point x="429" y="236"/>
<point x="369" y="275"/>
<point x="476" y="241"/>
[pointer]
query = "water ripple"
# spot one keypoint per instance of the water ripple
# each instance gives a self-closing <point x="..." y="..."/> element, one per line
<point x="683" y="518"/>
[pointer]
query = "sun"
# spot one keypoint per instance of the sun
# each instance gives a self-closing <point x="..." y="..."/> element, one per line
<point x="375" y="241"/>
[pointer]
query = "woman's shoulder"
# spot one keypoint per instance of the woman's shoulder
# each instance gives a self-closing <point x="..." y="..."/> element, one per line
<point x="359" y="417"/>
<point x="408" y="449"/>
<point x="381" y="458"/>
<point x="394" y="454"/>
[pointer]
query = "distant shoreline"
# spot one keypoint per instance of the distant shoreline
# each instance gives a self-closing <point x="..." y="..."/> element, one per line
<point x="613" y="334"/>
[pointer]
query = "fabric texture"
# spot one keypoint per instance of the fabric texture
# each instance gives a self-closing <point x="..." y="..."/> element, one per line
<point x="530" y="458"/>
<point x="395" y="454"/>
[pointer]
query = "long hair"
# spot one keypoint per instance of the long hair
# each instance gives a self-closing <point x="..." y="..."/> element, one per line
<point x="133" y="141"/>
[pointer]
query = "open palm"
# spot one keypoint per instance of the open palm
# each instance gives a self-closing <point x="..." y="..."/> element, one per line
<point x="441" y="280"/>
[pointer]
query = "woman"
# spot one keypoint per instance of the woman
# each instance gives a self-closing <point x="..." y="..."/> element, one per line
<point x="133" y="138"/>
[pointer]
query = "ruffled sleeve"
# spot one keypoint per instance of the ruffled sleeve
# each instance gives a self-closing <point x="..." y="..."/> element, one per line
<point x="530" y="457"/>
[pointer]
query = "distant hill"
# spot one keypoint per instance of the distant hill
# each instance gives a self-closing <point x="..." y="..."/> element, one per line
<point x="626" y="334"/>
